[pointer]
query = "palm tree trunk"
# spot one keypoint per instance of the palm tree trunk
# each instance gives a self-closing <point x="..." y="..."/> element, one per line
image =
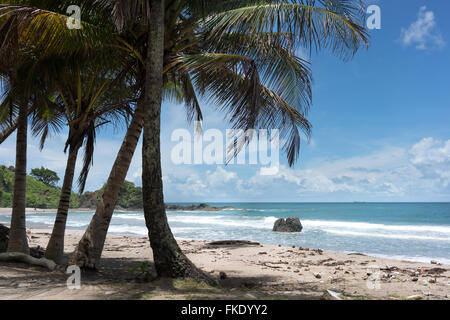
<point x="55" y="246"/>
<point x="18" y="241"/>
<point x="169" y="260"/>
<point x="89" y="250"/>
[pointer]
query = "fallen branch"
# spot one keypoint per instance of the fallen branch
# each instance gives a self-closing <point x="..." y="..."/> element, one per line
<point x="22" y="257"/>
<point x="233" y="242"/>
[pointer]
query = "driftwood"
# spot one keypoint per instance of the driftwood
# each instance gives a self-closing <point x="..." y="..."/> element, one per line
<point x="233" y="242"/>
<point x="22" y="257"/>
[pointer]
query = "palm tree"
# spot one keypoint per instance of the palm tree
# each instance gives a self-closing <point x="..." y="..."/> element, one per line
<point x="40" y="33"/>
<point x="237" y="74"/>
<point x="331" y="23"/>
<point x="12" y="78"/>
<point x="213" y="73"/>
<point x="87" y="100"/>
<point x="177" y="84"/>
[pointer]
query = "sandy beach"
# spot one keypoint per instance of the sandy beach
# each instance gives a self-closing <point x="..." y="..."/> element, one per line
<point x="248" y="271"/>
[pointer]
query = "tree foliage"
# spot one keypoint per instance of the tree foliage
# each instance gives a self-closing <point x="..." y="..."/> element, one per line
<point x="45" y="175"/>
<point x="38" y="194"/>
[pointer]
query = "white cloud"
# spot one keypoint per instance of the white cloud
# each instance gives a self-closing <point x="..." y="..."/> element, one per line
<point x="432" y="158"/>
<point x="423" y="32"/>
<point x="220" y="176"/>
<point x="420" y="172"/>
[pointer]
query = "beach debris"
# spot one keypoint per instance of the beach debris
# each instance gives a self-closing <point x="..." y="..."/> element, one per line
<point x="432" y="280"/>
<point x="415" y="279"/>
<point x="334" y="264"/>
<point x="21" y="257"/>
<point x="250" y="296"/>
<point x="288" y="225"/>
<point x="414" y="297"/>
<point x="222" y="275"/>
<point x="233" y="243"/>
<point x="325" y="260"/>
<point x="282" y="282"/>
<point x="427" y="293"/>
<point x="317" y="275"/>
<point x="262" y="252"/>
<point x="434" y="270"/>
<point x="108" y="293"/>
<point x="433" y="262"/>
<point x="332" y="295"/>
<point x="37" y="252"/>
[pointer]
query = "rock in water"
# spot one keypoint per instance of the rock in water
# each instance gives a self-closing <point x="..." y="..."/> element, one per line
<point x="4" y="237"/>
<point x="288" y="225"/>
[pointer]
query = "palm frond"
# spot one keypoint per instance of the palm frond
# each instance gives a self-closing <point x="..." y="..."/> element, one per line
<point x="332" y="24"/>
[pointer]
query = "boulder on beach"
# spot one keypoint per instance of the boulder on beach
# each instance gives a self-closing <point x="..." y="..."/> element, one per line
<point x="288" y="225"/>
<point x="4" y="237"/>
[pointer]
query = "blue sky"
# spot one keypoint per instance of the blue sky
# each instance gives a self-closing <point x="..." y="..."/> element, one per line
<point x="380" y="127"/>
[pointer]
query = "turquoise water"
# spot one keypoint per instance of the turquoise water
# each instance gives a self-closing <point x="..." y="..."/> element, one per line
<point x="413" y="231"/>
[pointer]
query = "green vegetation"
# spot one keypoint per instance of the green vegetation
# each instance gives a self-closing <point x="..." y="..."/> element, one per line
<point x="39" y="194"/>
<point x="130" y="196"/>
<point x="45" y="175"/>
<point x="44" y="196"/>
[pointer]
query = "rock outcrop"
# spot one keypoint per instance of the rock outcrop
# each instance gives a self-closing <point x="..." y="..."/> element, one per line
<point x="288" y="225"/>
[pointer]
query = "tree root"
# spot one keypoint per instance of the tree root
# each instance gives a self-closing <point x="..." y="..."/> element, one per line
<point x="21" y="257"/>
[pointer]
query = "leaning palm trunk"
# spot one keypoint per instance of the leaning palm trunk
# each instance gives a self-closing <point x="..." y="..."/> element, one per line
<point x="18" y="241"/>
<point x="11" y="128"/>
<point x="55" y="247"/>
<point x="89" y="250"/>
<point x="169" y="260"/>
<point x="8" y="130"/>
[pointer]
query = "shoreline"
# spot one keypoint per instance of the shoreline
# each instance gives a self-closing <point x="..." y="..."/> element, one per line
<point x="400" y="258"/>
<point x="6" y="211"/>
<point x="267" y="271"/>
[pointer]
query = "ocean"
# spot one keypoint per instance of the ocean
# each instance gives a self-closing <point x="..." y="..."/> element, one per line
<point x="407" y="231"/>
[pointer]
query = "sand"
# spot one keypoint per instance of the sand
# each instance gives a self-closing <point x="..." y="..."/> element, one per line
<point x="252" y="272"/>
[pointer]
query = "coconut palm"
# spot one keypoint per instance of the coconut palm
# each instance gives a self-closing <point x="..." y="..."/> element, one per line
<point x="184" y="55"/>
<point x="332" y="24"/>
<point x="239" y="75"/>
<point x="28" y="32"/>
<point x="88" y="99"/>
<point x="12" y="78"/>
